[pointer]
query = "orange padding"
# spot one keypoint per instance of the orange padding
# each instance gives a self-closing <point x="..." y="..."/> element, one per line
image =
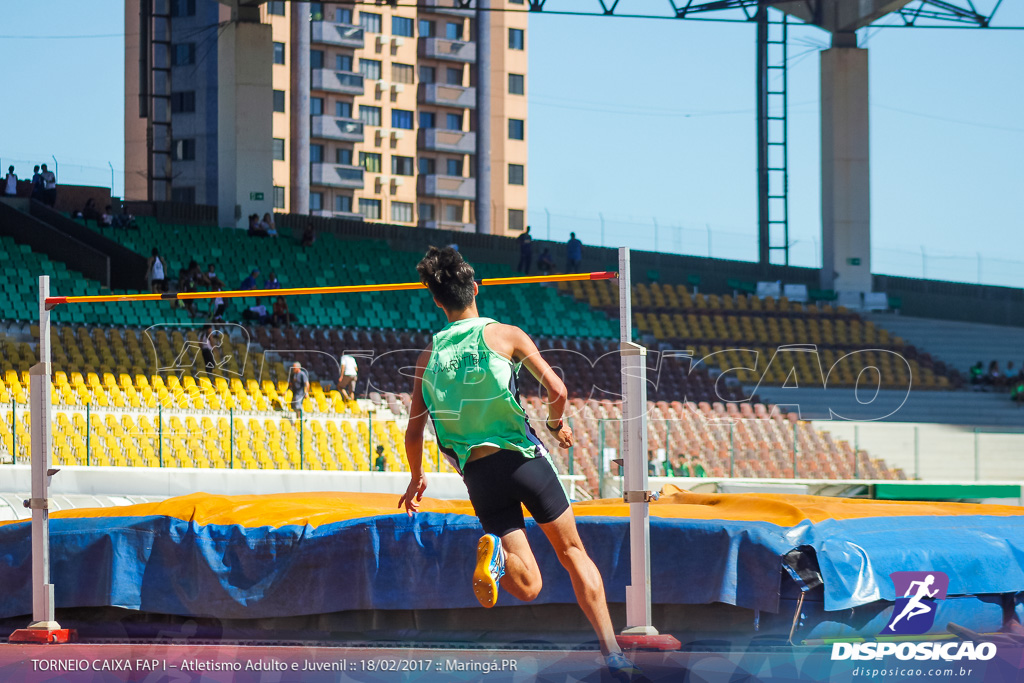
<point x="316" y="509"/>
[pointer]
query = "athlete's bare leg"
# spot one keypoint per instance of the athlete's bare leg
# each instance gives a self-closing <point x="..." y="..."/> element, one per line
<point x="586" y="579"/>
<point x="522" y="575"/>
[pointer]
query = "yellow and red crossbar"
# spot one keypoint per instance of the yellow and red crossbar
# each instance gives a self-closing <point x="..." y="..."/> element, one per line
<point x="295" y="291"/>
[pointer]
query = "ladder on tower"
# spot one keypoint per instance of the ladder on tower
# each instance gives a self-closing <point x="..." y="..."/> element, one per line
<point x="773" y="136"/>
<point x="159" y="140"/>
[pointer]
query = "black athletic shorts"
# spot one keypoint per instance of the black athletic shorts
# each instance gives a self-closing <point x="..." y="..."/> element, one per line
<point x="501" y="483"/>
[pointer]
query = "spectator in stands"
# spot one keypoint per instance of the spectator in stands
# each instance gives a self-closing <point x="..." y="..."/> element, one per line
<point x="545" y="263"/>
<point x="256" y="313"/>
<point x="250" y="282"/>
<point x="267" y="225"/>
<point x="347" y="380"/>
<point x="1017" y="390"/>
<point x="11" y="184"/>
<point x="993" y="377"/>
<point x="107" y="217"/>
<point x="281" y="317"/>
<point x="525" y="251"/>
<point x="381" y="463"/>
<point x="272" y="282"/>
<point x="977" y="372"/>
<point x="197" y="274"/>
<point x="652" y="465"/>
<point x="187" y="283"/>
<point x="156" y="273"/>
<point x="696" y="468"/>
<point x="255" y="230"/>
<point x="90" y="212"/>
<point x="298" y="382"/>
<point x="49" y="186"/>
<point x="675" y="466"/>
<point x="309" y="236"/>
<point x="573" y="254"/>
<point x="206" y="346"/>
<point x="37" y="184"/>
<point x="211" y="273"/>
<point x="218" y="306"/>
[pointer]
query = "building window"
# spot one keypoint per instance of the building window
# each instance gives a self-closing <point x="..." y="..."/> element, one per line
<point x="370" y="69"/>
<point x="370" y="208"/>
<point x="183" y="149"/>
<point x="401" y="26"/>
<point x="279" y="149"/>
<point x="516" y="129"/>
<point x="426" y="28"/>
<point x="316" y="201"/>
<point x="276" y="8"/>
<point x="316" y="154"/>
<point x="183" y="102"/>
<point x="278" y="197"/>
<point x="453" y="76"/>
<point x="183" y="54"/>
<point x="370" y="161"/>
<point x="453" y="213"/>
<point x="427" y="74"/>
<point x="316" y="11"/>
<point x="343" y="155"/>
<point x="453" y="30"/>
<point x="402" y="73"/>
<point x="426" y="166"/>
<point x="342" y="203"/>
<point x="401" y="118"/>
<point x="401" y="212"/>
<point x="279" y="101"/>
<point x="370" y="22"/>
<point x="316" y="106"/>
<point x="515" y="219"/>
<point x="183" y="195"/>
<point x="453" y="121"/>
<point x="454" y="167"/>
<point x="515" y="174"/>
<point x="316" y="59"/>
<point x="343" y="16"/>
<point x="516" y="39"/>
<point x="343" y="63"/>
<point x="279" y="53"/>
<point x="516" y="84"/>
<point x="343" y="109"/>
<point x="426" y="119"/>
<point x="401" y="165"/>
<point x="370" y="116"/>
<point x="515" y="2"/>
<point x="183" y="8"/>
<point x="426" y="212"/>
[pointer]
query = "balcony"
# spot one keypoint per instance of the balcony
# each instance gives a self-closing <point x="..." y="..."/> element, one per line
<point x="454" y="50"/>
<point x="342" y="35"/>
<point x="448" y="95"/>
<point x="336" y="128"/>
<point x="447" y="7"/>
<point x="453" y="226"/>
<point x="440" y="140"/>
<point x="447" y="187"/>
<point x="337" y="175"/>
<point x="344" y="82"/>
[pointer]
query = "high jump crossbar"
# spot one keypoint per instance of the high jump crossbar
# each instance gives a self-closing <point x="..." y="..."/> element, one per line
<point x="296" y="291"/>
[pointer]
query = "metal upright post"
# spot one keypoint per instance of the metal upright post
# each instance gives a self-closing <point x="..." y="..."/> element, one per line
<point x="88" y="455"/>
<point x="43" y="629"/>
<point x="635" y="493"/>
<point x="231" y="424"/>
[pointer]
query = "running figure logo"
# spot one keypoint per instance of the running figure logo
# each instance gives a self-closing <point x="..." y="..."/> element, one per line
<point x="914" y="612"/>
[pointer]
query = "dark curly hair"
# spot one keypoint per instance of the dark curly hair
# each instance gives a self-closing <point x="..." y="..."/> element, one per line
<point x="448" y="276"/>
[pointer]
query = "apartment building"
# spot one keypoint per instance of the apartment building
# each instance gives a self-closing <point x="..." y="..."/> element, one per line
<point x="381" y="103"/>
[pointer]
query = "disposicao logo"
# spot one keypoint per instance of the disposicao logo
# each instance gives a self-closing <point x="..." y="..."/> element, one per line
<point x="917" y="594"/>
<point x="914" y="613"/>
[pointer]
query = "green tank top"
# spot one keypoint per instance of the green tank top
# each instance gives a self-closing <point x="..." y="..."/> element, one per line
<point x="472" y="395"/>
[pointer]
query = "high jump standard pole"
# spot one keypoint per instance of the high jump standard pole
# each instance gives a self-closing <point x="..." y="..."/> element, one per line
<point x="43" y="629"/>
<point x="639" y="632"/>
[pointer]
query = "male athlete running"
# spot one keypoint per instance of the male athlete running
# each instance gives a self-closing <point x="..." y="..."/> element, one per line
<point x="466" y="384"/>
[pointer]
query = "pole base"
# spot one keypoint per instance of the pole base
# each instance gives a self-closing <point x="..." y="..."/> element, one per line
<point x="44" y="635"/>
<point x="663" y="642"/>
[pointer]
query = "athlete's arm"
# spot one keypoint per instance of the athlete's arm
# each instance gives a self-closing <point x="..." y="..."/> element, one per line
<point x="414" y="440"/>
<point x="525" y="350"/>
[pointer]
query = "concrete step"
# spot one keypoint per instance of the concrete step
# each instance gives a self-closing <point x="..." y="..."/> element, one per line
<point x="958" y="344"/>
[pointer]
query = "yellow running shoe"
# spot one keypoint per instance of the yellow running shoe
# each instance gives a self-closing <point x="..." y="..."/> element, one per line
<point x="490" y="567"/>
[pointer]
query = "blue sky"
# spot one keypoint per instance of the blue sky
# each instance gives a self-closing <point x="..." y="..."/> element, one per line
<point x="648" y="122"/>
